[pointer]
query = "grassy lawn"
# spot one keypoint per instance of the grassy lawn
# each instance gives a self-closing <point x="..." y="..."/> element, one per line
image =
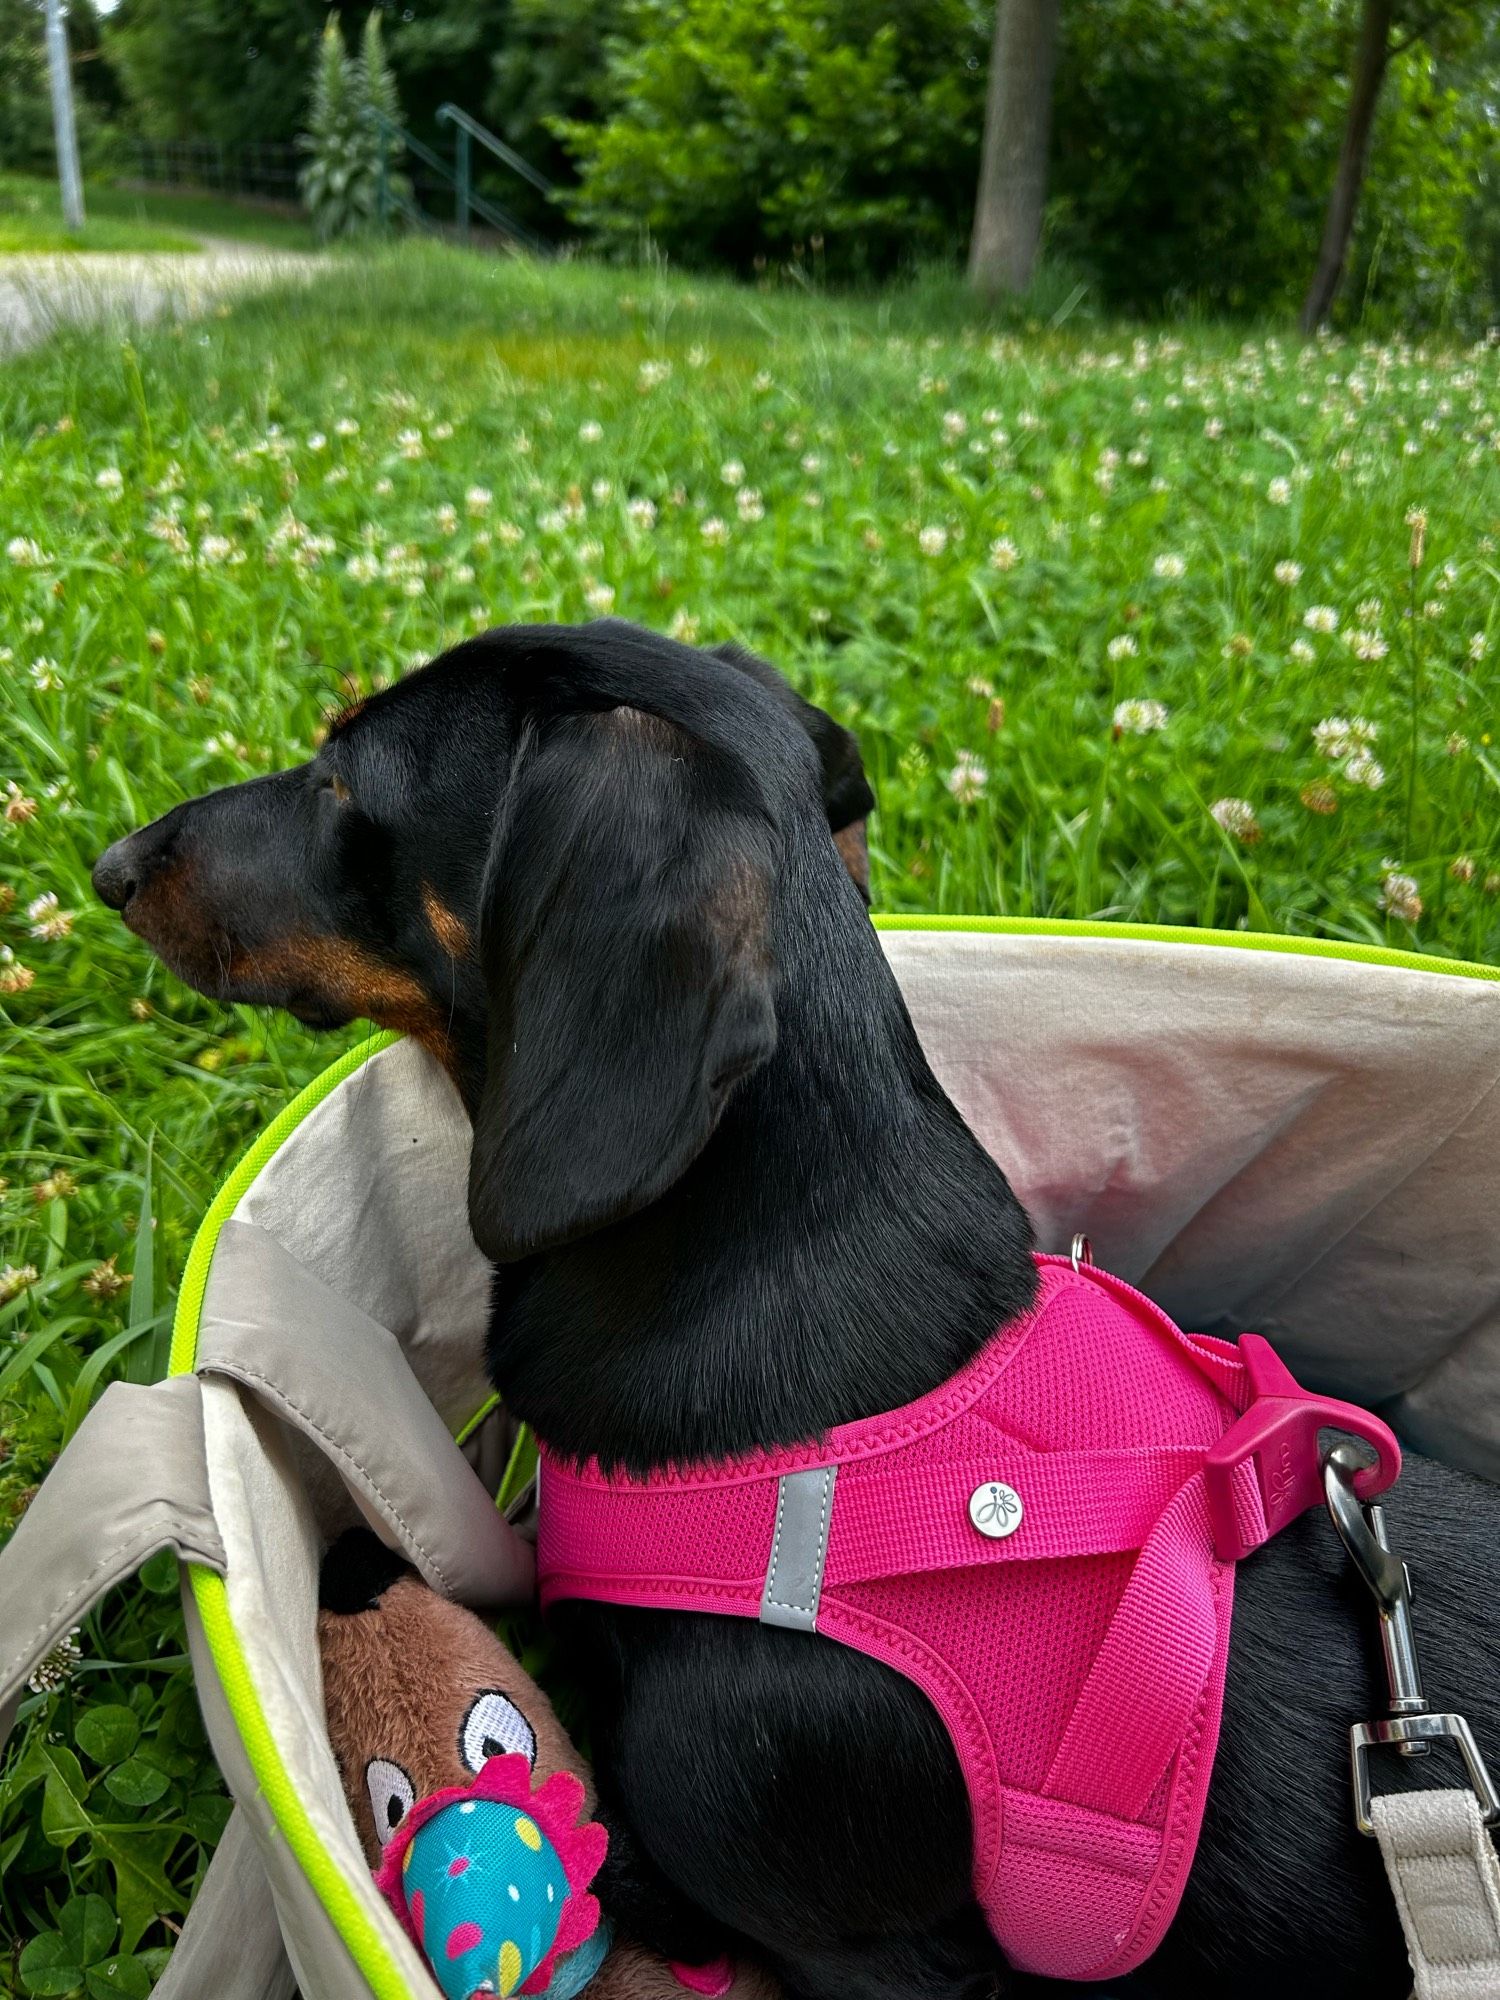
<point x="31" y="220"/>
<point x="1132" y="626"/>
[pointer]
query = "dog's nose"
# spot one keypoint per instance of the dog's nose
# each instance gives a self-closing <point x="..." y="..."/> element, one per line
<point x="117" y="873"/>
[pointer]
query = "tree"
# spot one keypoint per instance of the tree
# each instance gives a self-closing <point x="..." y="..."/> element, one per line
<point x="1371" y="59"/>
<point x="1448" y="24"/>
<point x="1017" y="132"/>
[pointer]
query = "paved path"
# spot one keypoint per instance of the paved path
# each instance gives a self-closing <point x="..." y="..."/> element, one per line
<point x="38" y="293"/>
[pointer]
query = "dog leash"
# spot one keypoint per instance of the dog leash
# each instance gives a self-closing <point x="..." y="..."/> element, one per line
<point x="1437" y="1846"/>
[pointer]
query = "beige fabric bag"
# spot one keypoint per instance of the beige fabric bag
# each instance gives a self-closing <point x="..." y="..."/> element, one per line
<point x="1301" y="1141"/>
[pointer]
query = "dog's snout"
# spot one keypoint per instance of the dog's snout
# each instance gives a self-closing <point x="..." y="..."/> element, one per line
<point x="117" y="872"/>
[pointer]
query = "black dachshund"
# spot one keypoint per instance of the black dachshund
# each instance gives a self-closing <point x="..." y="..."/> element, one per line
<point x="729" y="1205"/>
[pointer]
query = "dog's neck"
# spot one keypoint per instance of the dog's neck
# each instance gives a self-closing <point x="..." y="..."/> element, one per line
<point x="841" y="1246"/>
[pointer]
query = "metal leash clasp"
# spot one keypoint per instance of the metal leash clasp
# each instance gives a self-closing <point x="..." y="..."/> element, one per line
<point x="1411" y="1726"/>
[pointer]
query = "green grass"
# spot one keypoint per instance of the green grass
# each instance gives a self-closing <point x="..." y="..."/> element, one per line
<point x="202" y="215"/>
<point x="293" y="518"/>
<point x="119" y="219"/>
<point x="31" y="223"/>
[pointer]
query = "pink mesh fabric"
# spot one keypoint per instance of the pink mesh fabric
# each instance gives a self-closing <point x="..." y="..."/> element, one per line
<point x="1078" y="1663"/>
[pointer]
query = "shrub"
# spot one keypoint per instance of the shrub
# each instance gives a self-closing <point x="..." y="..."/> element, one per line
<point x="351" y="180"/>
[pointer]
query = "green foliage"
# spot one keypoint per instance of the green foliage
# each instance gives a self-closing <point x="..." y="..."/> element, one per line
<point x="351" y="181"/>
<point x="738" y="129"/>
<point x="1195" y="146"/>
<point x="233" y="71"/>
<point x="25" y="101"/>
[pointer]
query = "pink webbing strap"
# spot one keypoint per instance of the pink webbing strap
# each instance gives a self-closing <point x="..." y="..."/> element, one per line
<point x="1149" y="1674"/>
<point x="1078" y="1503"/>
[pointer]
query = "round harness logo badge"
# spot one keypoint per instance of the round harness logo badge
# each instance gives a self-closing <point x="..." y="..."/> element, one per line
<point x="995" y="1509"/>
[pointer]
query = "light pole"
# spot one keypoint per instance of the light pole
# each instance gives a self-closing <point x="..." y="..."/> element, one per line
<point x="70" y="178"/>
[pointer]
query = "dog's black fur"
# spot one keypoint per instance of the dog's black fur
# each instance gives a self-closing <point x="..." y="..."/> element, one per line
<point x="729" y="1205"/>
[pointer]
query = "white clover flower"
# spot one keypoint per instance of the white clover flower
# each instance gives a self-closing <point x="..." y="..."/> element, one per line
<point x="811" y="462"/>
<point x="46" y="675"/>
<point x="1287" y="573"/>
<point x="1321" y="618"/>
<point x="1479" y="645"/>
<point x="641" y="511"/>
<point x="410" y="444"/>
<point x="317" y="442"/>
<point x="447" y="518"/>
<point x="1169" y="567"/>
<point x="1237" y="818"/>
<point x="1123" y="646"/>
<point x="1400" y="897"/>
<point x="384" y="488"/>
<point x="1368" y="611"/>
<point x="1301" y="652"/>
<point x="347" y="427"/>
<point x="1004" y="554"/>
<point x="1140" y="718"/>
<point x="732" y="472"/>
<point x="363" y="568"/>
<point x="25" y="553"/>
<point x="47" y="920"/>
<point x="684" y="626"/>
<point x="56" y="1668"/>
<point x="477" y="500"/>
<point x="977" y="684"/>
<point x="1279" y="492"/>
<point x="653" y="373"/>
<point x="1368" y="645"/>
<point x="761" y="383"/>
<point x="968" y="778"/>
<point x="1339" y="735"/>
<point x="600" y="598"/>
<point x="932" y="541"/>
<point x="714" y="531"/>
<point x="110" y="480"/>
<point x="1214" y="428"/>
<point x="591" y="431"/>
<point x="749" y="505"/>
<point x="1362" y="769"/>
<point x="955" y="423"/>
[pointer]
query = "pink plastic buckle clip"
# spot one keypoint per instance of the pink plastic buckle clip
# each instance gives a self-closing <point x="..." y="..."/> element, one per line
<point x="1277" y="1436"/>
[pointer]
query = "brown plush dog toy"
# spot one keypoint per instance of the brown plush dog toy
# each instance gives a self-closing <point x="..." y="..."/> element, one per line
<point x="473" y="1807"/>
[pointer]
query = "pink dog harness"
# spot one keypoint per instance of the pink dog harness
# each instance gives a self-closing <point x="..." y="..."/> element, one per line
<point x="1046" y="1546"/>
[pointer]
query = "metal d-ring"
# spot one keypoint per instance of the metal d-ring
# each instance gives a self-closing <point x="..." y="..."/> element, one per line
<point x="1082" y="1251"/>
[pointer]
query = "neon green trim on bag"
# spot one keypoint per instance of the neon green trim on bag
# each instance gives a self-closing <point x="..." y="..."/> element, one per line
<point x="241" y="1177"/>
<point x="365" y="1945"/>
<point x="1297" y="947"/>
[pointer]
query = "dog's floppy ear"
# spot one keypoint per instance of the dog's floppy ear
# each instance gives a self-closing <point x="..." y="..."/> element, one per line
<point x="624" y="944"/>
<point x="847" y="797"/>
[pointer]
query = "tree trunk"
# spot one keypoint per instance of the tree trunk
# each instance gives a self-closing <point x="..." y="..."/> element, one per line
<point x="1017" y="127"/>
<point x="1370" y="60"/>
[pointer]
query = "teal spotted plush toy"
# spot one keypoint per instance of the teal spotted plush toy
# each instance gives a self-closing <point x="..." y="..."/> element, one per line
<point x="471" y="1803"/>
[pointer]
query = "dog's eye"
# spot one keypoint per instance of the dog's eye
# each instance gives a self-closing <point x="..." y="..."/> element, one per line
<point x="494" y="1727"/>
<point x="392" y="1795"/>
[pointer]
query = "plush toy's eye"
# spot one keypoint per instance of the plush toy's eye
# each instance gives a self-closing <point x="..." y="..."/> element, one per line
<point x="494" y="1727"/>
<point x="392" y="1795"/>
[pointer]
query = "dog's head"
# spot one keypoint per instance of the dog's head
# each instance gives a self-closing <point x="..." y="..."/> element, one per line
<point x="552" y="856"/>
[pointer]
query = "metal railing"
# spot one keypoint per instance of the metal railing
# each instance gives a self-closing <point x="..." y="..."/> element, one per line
<point x="465" y="130"/>
<point x="467" y="203"/>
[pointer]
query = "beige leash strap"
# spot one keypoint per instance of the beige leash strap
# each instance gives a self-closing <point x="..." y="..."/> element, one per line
<point x="1446" y="1880"/>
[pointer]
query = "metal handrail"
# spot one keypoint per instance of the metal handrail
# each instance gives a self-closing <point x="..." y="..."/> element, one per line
<point x="466" y="200"/>
<point x="452" y="114"/>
